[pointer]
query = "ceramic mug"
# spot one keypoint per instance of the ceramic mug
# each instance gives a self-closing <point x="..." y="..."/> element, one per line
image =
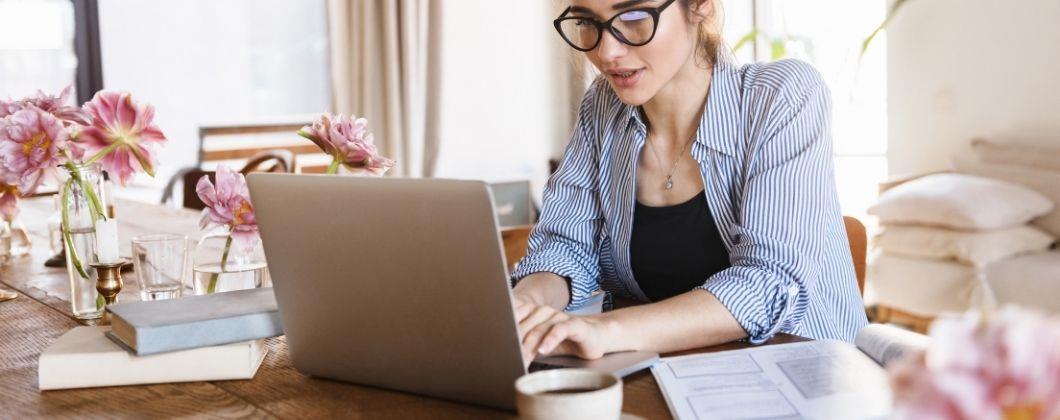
<point x="569" y="394"/>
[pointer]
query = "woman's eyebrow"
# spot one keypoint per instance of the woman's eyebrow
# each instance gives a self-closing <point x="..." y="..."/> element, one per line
<point x="628" y="3"/>
<point x="617" y="6"/>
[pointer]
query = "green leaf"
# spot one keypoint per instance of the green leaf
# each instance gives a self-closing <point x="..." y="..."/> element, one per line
<point x="779" y="48"/>
<point x="747" y="39"/>
<point x="100" y="302"/>
<point x="883" y="25"/>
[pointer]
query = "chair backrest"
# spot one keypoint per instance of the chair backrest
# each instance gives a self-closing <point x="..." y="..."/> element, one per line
<point x="227" y="143"/>
<point x="281" y="161"/>
<point x="516" y="242"/>
<point x="858" y="240"/>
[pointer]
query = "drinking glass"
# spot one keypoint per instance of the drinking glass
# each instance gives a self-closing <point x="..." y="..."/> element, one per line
<point x="160" y="261"/>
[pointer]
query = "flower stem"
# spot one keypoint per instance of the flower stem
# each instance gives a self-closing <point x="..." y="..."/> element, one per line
<point x="224" y="261"/>
<point x="333" y="168"/>
<point x="95" y="207"/>
<point x="70" y="249"/>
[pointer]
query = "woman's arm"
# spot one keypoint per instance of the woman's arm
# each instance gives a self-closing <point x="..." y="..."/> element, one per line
<point x="563" y="246"/>
<point x="690" y="320"/>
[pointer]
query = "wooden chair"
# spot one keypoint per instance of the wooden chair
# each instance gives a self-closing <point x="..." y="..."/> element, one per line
<point x="229" y="143"/>
<point x="516" y="242"/>
<point x="278" y="160"/>
<point x="858" y="240"/>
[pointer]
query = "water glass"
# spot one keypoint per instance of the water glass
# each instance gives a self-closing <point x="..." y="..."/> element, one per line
<point x="160" y="261"/>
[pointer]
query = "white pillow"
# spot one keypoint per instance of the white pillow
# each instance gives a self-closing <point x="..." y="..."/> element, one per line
<point x="961" y="202"/>
<point x="976" y="248"/>
<point x="1043" y="181"/>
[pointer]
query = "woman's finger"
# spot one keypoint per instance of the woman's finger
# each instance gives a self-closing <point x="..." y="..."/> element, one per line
<point x="560" y="332"/>
<point x="536" y="315"/>
<point x="522" y="309"/>
<point x="534" y="335"/>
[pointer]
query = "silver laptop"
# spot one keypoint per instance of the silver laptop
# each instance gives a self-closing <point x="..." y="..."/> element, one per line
<point x="398" y="283"/>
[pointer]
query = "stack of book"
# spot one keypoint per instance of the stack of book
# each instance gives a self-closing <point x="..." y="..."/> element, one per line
<point x="196" y="338"/>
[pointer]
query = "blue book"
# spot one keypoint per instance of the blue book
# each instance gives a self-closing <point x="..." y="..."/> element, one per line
<point x="195" y="321"/>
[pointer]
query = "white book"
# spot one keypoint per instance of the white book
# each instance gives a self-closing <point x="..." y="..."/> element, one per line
<point x="824" y="379"/>
<point x="84" y="357"/>
<point x="809" y="380"/>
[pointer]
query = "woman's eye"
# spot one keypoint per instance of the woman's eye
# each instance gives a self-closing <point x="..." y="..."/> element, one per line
<point x="634" y="15"/>
<point x="583" y="22"/>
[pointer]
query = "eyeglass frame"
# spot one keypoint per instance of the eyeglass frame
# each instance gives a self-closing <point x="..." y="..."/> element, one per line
<point x="654" y="12"/>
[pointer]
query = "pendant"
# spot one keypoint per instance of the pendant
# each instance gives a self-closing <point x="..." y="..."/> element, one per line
<point x="669" y="183"/>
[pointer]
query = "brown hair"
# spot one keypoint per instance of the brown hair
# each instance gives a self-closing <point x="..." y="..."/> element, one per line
<point x="709" y="37"/>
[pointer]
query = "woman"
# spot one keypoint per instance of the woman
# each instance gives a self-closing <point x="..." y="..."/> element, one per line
<point x="727" y="221"/>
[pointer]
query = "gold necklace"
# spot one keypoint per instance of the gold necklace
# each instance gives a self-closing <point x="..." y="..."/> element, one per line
<point x="669" y="185"/>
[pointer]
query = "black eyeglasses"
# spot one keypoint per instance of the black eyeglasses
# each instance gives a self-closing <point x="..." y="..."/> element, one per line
<point x="634" y="27"/>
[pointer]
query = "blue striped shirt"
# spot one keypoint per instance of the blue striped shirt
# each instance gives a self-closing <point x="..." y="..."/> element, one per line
<point x="765" y="154"/>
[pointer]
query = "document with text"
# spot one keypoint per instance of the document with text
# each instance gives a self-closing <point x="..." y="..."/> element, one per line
<point x="808" y="380"/>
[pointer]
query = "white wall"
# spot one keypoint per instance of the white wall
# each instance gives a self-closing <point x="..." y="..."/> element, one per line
<point x="203" y="62"/>
<point x="960" y="69"/>
<point x="502" y="90"/>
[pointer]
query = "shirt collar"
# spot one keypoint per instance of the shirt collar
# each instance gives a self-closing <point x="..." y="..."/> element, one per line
<point x="719" y="126"/>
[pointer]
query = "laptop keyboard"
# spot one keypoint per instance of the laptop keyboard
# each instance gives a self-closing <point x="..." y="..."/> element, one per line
<point x="539" y="366"/>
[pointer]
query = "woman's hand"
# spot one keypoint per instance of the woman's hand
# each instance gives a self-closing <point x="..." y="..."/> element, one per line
<point x="546" y="331"/>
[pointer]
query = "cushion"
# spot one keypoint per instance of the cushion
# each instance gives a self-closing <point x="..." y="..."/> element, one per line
<point x="1043" y="181"/>
<point x="1028" y="156"/>
<point x="1031" y="280"/>
<point x="960" y="201"/>
<point x="928" y="287"/>
<point x="924" y="287"/>
<point x="975" y="248"/>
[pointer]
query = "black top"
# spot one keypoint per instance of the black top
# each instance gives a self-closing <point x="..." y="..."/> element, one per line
<point x="675" y="249"/>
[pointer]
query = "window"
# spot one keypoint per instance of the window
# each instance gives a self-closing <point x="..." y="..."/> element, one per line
<point x="36" y="47"/>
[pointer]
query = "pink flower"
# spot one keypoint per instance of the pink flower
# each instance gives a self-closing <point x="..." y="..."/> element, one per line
<point x="348" y="141"/>
<point x="31" y="144"/>
<point x="8" y="202"/>
<point x="1003" y="367"/>
<point x="228" y="204"/>
<point x="122" y="135"/>
<point x="58" y="106"/>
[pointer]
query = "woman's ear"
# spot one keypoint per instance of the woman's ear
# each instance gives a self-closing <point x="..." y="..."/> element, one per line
<point x="702" y="10"/>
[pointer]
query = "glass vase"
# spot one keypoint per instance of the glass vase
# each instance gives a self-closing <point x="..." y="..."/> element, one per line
<point x="82" y="203"/>
<point x="5" y="242"/>
<point x="218" y="266"/>
<point x="21" y="244"/>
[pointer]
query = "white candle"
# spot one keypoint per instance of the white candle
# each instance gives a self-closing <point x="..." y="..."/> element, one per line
<point x="107" y="240"/>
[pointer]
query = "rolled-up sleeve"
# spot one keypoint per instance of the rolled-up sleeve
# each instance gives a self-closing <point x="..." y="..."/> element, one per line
<point x="565" y="239"/>
<point x="788" y="194"/>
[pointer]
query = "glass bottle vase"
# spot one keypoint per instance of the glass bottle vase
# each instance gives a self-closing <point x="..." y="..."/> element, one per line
<point x="82" y="203"/>
<point x="219" y="266"/>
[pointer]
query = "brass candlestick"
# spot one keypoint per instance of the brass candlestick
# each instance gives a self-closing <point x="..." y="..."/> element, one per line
<point x="108" y="284"/>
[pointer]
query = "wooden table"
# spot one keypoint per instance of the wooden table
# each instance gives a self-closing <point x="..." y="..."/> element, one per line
<point x="42" y="313"/>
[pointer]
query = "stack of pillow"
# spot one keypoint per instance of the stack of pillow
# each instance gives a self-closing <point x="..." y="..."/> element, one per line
<point x="942" y="234"/>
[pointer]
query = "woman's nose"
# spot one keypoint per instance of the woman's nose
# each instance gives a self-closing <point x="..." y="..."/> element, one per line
<point x="610" y="49"/>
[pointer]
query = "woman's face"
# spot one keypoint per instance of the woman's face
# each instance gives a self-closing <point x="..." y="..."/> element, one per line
<point x="637" y="74"/>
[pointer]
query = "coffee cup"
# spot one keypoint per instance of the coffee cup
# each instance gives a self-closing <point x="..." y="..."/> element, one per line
<point x="569" y="394"/>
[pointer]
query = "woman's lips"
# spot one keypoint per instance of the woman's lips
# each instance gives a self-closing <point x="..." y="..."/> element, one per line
<point x="626" y="78"/>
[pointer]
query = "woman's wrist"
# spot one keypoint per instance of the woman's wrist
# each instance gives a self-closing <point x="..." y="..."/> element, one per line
<point x="614" y="336"/>
<point x="545" y="289"/>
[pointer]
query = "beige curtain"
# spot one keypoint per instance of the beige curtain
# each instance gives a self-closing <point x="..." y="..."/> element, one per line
<point x="385" y="66"/>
